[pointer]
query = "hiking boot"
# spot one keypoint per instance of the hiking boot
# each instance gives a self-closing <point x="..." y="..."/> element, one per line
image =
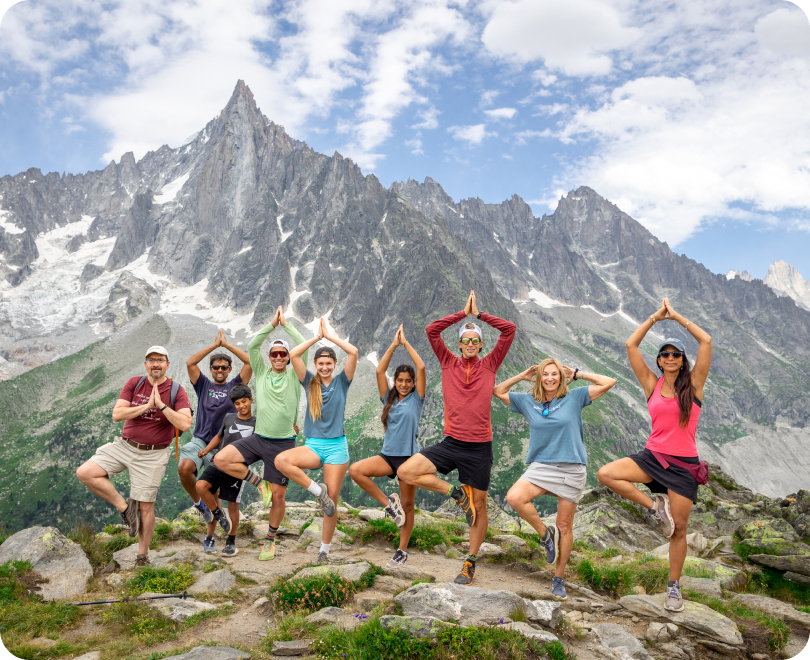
<point x="268" y="551"/>
<point x="660" y="518"/>
<point x="143" y="560"/>
<point x="467" y="574"/>
<point x="394" y="510"/>
<point x="209" y="544"/>
<point x="267" y="493"/>
<point x="219" y="514"/>
<point x="398" y="559"/>
<point x="205" y="512"/>
<point x="558" y="588"/>
<point x="323" y="557"/>
<point x="230" y="549"/>
<point x="674" y="601"/>
<point x="326" y="502"/>
<point x="131" y="516"/>
<point x="552" y="544"/>
<point x="463" y="497"/>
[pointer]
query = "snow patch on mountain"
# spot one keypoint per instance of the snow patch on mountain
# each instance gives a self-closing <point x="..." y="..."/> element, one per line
<point x="545" y="301"/>
<point x="744" y="275"/>
<point x="8" y="226"/>
<point x="169" y="191"/>
<point x="785" y="280"/>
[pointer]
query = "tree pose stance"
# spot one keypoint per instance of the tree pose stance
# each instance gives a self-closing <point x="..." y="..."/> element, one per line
<point x="556" y="456"/>
<point x="323" y="427"/>
<point x="467" y="384"/>
<point x="402" y="409"/>
<point x="669" y="461"/>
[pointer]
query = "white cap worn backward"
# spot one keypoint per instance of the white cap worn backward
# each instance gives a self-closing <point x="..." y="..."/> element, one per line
<point x="280" y="342"/>
<point x="470" y="327"/>
<point x="156" y="349"/>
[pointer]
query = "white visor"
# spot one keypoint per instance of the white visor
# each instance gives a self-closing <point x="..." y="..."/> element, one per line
<point x="280" y="342"/>
<point x="474" y="329"/>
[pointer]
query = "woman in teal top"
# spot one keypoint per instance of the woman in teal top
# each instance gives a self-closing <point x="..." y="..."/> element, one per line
<point x="323" y="428"/>
<point x="402" y="409"/>
<point x="556" y="457"/>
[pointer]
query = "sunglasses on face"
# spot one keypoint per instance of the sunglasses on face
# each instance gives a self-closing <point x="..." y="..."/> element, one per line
<point x="470" y="340"/>
<point x="675" y="354"/>
<point x="278" y="354"/>
<point x="221" y="367"/>
<point x="545" y="409"/>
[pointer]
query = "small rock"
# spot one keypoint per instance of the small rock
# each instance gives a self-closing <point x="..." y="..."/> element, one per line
<point x="334" y="616"/>
<point x="795" y="563"/>
<point x="255" y="591"/>
<point x="527" y="631"/>
<point x="657" y="633"/>
<point x="43" y="641"/>
<point x="92" y="655"/>
<point x="613" y="636"/>
<point x="486" y="550"/>
<point x="545" y="612"/>
<point x="115" y="580"/>
<point x="635" y="619"/>
<point x="371" y="514"/>
<point x="263" y="606"/>
<point x="368" y="600"/>
<point x="390" y="585"/>
<point x="180" y="609"/>
<point x="638" y="590"/>
<point x="219" y="581"/>
<point x="126" y="557"/>
<point x="297" y="647"/>
<point x="408" y="573"/>
<point x="795" y="577"/>
<point x="705" y="586"/>
<point x="423" y="627"/>
<point x="760" y="656"/>
<point x="439" y="549"/>
<point x="211" y="653"/>
<point x="351" y="572"/>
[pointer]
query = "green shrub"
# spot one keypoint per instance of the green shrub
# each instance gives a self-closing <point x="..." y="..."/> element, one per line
<point x="423" y="536"/>
<point x="313" y="592"/>
<point x="98" y="552"/>
<point x="368" y="578"/>
<point x="10" y="587"/>
<point x="163" y="532"/>
<point x="773" y="583"/>
<point x="610" y="552"/>
<point x="113" y="529"/>
<point x="118" y="542"/>
<point x="385" y="528"/>
<point x="289" y="627"/>
<point x="160" y="580"/>
<point x="645" y="571"/>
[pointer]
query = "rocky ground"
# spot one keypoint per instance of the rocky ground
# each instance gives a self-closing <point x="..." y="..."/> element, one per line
<point x="747" y="581"/>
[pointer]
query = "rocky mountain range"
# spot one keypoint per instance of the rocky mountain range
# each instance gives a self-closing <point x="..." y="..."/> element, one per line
<point x="242" y="218"/>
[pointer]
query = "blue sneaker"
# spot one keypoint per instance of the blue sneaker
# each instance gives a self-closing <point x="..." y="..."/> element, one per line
<point x="552" y="544"/>
<point x="205" y="512"/>
<point x="209" y="544"/>
<point x="558" y="588"/>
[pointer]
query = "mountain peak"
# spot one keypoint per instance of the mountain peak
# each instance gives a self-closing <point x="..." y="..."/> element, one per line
<point x="785" y="280"/>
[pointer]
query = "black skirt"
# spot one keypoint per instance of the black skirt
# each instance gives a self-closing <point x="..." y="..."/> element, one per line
<point x="674" y="478"/>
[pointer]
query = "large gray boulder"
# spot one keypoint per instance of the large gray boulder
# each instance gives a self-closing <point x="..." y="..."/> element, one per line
<point x="351" y="572"/>
<point x="334" y="616"/>
<point x="212" y="653"/>
<point x="126" y="557"/>
<point x="795" y="563"/>
<point x="179" y="609"/>
<point x="696" y="617"/>
<point x="423" y="627"/>
<point x="705" y="586"/>
<point x="528" y="631"/>
<point x="617" y="639"/>
<point x="220" y="582"/>
<point x="773" y="607"/>
<point x="54" y="557"/>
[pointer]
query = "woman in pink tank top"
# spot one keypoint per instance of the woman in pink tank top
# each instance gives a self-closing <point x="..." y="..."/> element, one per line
<point x="674" y="398"/>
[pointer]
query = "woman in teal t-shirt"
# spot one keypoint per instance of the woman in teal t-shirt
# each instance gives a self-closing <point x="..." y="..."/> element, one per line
<point x="556" y="455"/>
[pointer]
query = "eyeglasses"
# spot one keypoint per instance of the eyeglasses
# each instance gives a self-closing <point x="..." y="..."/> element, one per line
<point x="277" y="354"/>
<point x="675" y="354"/>
<point x="221" y="367"/>
<point x="470" y="340"/>
<point x="545" y="409"/>
<point x="155" y="361"/>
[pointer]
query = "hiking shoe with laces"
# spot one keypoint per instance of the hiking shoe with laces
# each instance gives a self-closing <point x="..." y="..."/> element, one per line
<point x="661" y="518"/>
<point x="230" y="550"/>
<point x="552" y="544"/>
<point x="131" y="516"/>
<point x="674" y="601"/>
<point x="209" y="544"/>
<point x="326" y="502"/>
<point x="268" y="551"/>
<point x="267" y="493"/>
<point x="394" y="510"/>
<point x="463" y="497"/>
<point x="222" y="520"/>
<point x="323" y="557"/>
<point x="142" y="560"/>
<point x="558" y="588"/>
<point x="205" y="512"/>
<point x="398" y="559"/>
<point x="467" y="574"/>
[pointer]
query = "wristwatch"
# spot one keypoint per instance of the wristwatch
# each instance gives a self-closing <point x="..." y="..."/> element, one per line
<point x="576" y="371"/>
<point x="479" y="315"/>
<point x="165" y="405"/>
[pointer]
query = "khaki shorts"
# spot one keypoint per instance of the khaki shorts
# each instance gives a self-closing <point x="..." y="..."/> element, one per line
<point x="566" y="480"/>
<point x="146" y="468"/>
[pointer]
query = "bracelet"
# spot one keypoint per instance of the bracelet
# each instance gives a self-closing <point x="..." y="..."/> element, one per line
<point x="652" y="320"/>
<point x="165" y="405"/>
<point x="687" y="325"/>
<point x="576" y="371"/>
<point x="479" y="315"/>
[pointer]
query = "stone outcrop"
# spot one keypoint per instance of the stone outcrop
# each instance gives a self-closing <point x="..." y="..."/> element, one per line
<point x="219" y="582"/>
<point x="773" y="607"/>
<point x="351" y="572"/>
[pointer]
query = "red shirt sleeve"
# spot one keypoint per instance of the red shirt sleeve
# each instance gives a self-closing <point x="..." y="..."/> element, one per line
<point x="128" y="391"/>
<point x="434" y="333"/>
<point x="496" y="356"/>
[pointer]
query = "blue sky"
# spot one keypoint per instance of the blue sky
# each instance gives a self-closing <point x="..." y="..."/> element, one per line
<point x="690" y="115"/>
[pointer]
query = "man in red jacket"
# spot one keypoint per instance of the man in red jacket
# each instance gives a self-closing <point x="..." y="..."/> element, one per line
<point x="467" y="384"/>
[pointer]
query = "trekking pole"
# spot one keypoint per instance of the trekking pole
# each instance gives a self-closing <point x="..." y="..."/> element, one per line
<point x="184" y="595"/>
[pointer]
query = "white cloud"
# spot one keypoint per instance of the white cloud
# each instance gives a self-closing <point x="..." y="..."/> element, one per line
<point x="573" y="36"/>
<point x="785" y="31"/>
<point x="501" y="113"/>
<point x="429" y="118"/>
<point x="523" y="137"/>
<point x="489" y="96"/>
<point x="471" y="134"/>
<point x="416" y="146"/>
<point x="549" y="110"/>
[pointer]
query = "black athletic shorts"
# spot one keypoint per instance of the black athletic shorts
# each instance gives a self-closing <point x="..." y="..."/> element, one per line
<point x="473" y="460"/>
<point x="394" y="462"/>
<point x="258" y="448"/>
<point x="229" y="488"/>
<point x="674" y="478"/>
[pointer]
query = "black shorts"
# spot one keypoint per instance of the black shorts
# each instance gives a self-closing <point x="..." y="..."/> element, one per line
<point x="229" y="488"/>
<point x="674" y="478"/>
<point x="258" y="448"/>
<point x="394" y="462"/>
<point x="473" y="460"/>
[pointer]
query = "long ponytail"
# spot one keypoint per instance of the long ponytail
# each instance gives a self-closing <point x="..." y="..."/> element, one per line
<point x="392" y="391"/>
<point x="315" y="397"/>
<point x="685" y="392"/>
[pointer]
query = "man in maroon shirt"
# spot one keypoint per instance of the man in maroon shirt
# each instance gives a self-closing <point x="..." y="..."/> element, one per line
<point x="467" y="385"/>
<point x="144" y="448"/>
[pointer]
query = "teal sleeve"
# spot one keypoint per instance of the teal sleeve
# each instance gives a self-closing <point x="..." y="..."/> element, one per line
<point x="297" y="338"/>
<point x="255" y="350"/>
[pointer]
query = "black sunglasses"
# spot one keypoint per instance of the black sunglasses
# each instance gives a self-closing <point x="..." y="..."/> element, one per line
<point x="675" y="354"/>
<point x="221" y="367"/>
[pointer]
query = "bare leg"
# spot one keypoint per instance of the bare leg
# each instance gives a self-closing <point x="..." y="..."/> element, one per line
<point x="293" y="462"/>
<point x="620" y="476"/>
<point x="95" y="478"/>
<point x="565" y="523"/>
<point x="680" y="507"/>
<point x="478" y="530"/>
<point x="362" y="471"/>
<point x="231" y="462"/>
<point x="187" y="472"/>
<point x="147" y="527"/>
<point x="205" y="494"/>
<point x="333" y="478"/>
<point x="233" y="514"/>
<point x="520" y="498"/>
<point x="407" y="495"/>
<point x="419" y="471"/>
<point x="279" y="504"/>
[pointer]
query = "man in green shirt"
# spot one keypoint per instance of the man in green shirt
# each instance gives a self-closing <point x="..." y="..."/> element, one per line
<point x="277" y="395"/>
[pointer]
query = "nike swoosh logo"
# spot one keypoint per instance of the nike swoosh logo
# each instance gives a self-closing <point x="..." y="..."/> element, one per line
<point x="241" y="429"/>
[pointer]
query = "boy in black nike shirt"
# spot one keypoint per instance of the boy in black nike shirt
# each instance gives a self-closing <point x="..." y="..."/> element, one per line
<point x="234" y="426"/>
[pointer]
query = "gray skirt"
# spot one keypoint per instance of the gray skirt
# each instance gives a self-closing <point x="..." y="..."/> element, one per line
<point x="566" y="480"/>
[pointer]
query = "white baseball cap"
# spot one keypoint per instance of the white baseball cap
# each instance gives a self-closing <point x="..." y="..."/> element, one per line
<point x="156" y="349"/>
<point x="280" y="342"/>
<point x="470" y="327"/>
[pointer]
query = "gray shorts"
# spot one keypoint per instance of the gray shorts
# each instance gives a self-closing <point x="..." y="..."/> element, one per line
<point x="190" y="449"/>
<point x="566" y="480"/>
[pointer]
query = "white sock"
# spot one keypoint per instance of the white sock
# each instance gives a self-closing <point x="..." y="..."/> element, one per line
<point x="315" y="489"/>
<point x="325" y="547"/>
<point x="196" y="503"/>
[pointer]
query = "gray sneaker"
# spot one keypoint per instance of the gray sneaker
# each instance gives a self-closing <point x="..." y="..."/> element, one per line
<point x="552" y="544"/>
<point x="204" y="511"/>
<point x="219" y="514"/>
<point x="674" y="601"/>
<point x="660" y="518"/>
<point x="326" y="502"/>
<point x="323" y="557"/>
<point x="394" y="510"/>
<point x="558" y="588"/>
